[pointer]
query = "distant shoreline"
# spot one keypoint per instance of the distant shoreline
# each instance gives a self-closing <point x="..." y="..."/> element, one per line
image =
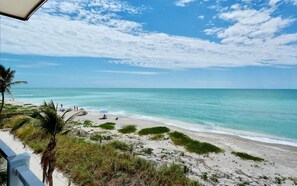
<point x="253" y="136"/>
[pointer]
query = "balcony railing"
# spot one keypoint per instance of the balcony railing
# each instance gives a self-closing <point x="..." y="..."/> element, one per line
<point x="18" y="172"/>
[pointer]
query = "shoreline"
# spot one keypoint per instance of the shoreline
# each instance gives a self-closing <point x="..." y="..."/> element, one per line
<point x="280" y="161"/>
<point x="247" y="135"/>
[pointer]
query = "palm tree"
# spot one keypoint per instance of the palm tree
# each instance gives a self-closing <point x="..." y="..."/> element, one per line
<point x="6" y="81"/>
<point x="48" y="119"/>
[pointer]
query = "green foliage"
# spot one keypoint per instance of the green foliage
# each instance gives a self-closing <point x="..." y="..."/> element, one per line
<point x="246" y="156"/>
<point x="153" y="130"/>
<point x="121" y="146"/>
<point x="76" y="123"/>
<point x="107" y="126"/>
<point x="243" y="184"/>
<point x="157" y="137"/>
<point x="214" y="178"/>
<point x="93" y="164"/>
<point x="98" y="137"/>
<point x="278" y="180"/>
<point x="148" y="151"/>
<point x="12" y="110"/>
<point x="204" y="176"/>
<point x="293" y="179"/>
<point x="127" y="129"/>
<point x="193" y="145"/>
<point x="87" y="123"/>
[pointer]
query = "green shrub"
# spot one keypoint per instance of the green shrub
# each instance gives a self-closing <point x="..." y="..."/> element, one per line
<point x="246" y="156"/>
<point x="204" y="176"/>
<point x="157" y="137"/>
<point x="148" y="151"/>
<point x="193" y="145"/>
<point x="127" y="129"/>
<point x="87" y="123"/>
<point x="121" y="146"/>
<point x="153" y="130"/>
<point x="107" y="126"/>
<point x="98" y="137"/>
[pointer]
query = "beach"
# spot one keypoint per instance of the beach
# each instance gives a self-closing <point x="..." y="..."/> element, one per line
<point x="280" y="161"/>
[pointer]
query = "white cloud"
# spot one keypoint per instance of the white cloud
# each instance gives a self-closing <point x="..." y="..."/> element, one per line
<point x="183" y="3"/>
<point x="38" y="65"/>
<point x="253" y="27"/>
<point x="201" y="17"/>
<point x="253" y="38"/>
<point x="129" y="72"/>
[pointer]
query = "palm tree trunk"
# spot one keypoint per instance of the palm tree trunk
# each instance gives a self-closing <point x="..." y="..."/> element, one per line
<point x="51" y="168"/>
<point x="2" y="102"/>
<point x="48" y="161"/>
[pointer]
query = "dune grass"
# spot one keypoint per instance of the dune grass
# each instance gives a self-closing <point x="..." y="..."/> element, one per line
<point x="153" y="130"/>
<point x="193" y="145"/>
<point x="127" y="129"/>
<point x="157" y="137"/>
<point x="98" y="137"/>
<point x="107" y="126"/>
<point x="246" y="156"/>
<point x="108" y="164"/>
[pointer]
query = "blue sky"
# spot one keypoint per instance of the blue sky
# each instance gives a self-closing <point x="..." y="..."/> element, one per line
<point x="156" y="43"/>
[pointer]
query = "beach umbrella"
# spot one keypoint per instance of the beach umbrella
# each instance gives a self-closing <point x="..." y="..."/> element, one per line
<point x="103" y="111"/>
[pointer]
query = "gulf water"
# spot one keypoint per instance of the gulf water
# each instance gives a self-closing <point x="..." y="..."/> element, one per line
<point x="265" y="115"/>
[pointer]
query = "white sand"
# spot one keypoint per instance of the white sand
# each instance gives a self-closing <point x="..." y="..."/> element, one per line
<point x="280" y="160"/>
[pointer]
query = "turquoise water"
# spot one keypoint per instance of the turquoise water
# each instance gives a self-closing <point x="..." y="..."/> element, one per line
<point x="258" y="114"/>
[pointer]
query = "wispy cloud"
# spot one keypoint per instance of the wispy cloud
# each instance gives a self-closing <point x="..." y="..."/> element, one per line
<point x="129" y="72"/>
<point x="183" y="3"/>
<point x="38" y="65"/>
<point x="201" y="17"/>
<point x="251" y="37"/>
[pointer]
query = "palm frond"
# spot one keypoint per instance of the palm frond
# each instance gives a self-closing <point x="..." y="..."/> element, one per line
<point x="21" y="123"/>
<point x="67" y="111"/>
<point x="17" y="83"/>
<point x="72" y="117"/>
<point x="9" y="93"/>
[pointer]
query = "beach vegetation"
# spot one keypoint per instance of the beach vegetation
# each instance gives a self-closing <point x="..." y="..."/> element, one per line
<point x="193" y="145"/>
<point x="246" y="156"/>
<point x="147" y="151"/>
<point x="279" y="180"/>
<point x="102" y="164"/>
<point x="204" y="176"/>
<point x="121" y="146"/>
<point x="49" y="121"/>
<point x="127" y="129"/>
<point x="214" y="178"/>
<point x="99" y="137"/>
<point x="6" y="81"/>
<point x="245" y="183"/>
<point x="157" y="137"/>
<point x="293" y="179"/>
<point x="10" y="110"/>
<point x="87" y="123"/>
<point x="153" y="130"/>
<point x="107" y="126"/>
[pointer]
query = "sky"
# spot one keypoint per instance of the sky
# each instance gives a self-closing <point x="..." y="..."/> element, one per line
<point x="155" y="44"/>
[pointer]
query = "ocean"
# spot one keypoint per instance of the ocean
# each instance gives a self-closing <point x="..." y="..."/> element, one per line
<point x="263" y="115"/>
